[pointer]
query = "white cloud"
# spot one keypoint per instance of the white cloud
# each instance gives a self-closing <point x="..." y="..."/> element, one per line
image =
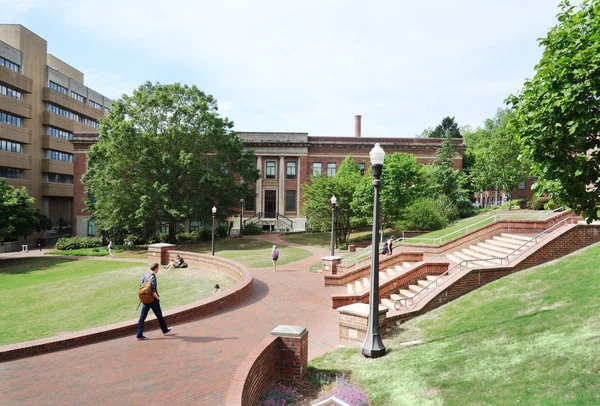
<point x="312" y="65"/>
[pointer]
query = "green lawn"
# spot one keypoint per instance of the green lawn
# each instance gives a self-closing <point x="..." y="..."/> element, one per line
<point x="531" y="338"/>
<point x="250" y="252"/>
<point x="324" y="239"/>
<point x="44" y="296"/>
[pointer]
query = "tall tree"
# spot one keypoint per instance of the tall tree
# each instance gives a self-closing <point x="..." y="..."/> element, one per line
<point x="448" y="125"/>
<point x="165" y="154"/>
<point x="402" y="180"/>
<point x="443" y="173"/>
<point x="18" y="216"/>
<point x="557" y="113"/>
<point x="318" y="193"/>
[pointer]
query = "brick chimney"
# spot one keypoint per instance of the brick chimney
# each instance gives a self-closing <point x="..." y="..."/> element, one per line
<point x="357" y="129"/>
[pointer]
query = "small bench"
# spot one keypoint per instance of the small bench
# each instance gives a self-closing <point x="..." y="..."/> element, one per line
<point x="24" y="248"/>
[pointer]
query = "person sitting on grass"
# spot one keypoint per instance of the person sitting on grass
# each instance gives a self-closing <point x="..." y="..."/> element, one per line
<point x="216" y="289"/>
<point x="176" y="263"/>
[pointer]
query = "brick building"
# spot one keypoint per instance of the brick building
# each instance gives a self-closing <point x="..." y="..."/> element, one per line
<point x="285" y="162"/>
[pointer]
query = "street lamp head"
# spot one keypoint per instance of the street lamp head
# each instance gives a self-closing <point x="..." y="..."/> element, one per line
<point x="214" y="210"/>
<point x="242" y="200"/>
<point x="377" y="154"/>
<point x="333" y="200"/>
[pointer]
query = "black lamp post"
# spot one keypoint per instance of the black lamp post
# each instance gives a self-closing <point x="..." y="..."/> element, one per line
<point x="333" y="202"/>
<point x="212" y="246"/>
<point x="241" y="218"/>
<point x="373" y="346"/>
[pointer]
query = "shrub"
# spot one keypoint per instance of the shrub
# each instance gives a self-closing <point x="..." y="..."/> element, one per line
<point x="193" y="236"/>
<point x="465" y="208"/>
<point x="513" y="203"/>
<point x="539" y="202"/>
<point x="447" y="208"/>
<point x="253" y="229"/>
<point x="133" y="239"/>
<point x="349" y="392"/>
<point x="74" y="243"/>
<point x="279" y="394"/>
<point x="550" y="205"/>
<point x="220" y="232"/>
<point x="423" y="215"/>
<point x="156" y="238"/>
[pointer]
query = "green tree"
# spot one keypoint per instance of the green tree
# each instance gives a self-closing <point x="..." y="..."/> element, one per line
<point x="557" y="113"/>
<point x="443" y="175"/>
<point x="165" y="154"/>
<point x="318" y="192"/>
<point x="18" y="217"/>
<point x="448" y="125"/>
<point x="402" y="180"/>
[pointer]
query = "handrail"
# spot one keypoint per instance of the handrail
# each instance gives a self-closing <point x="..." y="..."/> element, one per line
<point x="398" y="302"/>
<point x="465" y="230"/>
<point x="257" y="215"/>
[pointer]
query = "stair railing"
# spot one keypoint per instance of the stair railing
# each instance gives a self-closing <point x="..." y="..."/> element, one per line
<point x="569" y="220"/>
<point x="465" y="230"/>
<point x="256" y="216"/>
<point x="286" y="218"/>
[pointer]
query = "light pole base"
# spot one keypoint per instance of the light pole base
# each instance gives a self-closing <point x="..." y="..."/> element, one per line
<point x="373" y="347"/>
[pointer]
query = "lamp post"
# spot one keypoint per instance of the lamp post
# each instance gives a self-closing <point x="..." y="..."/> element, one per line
<point x="241" y="217"/>
<point x="333" y="203"/>
<point x="212" y="246"/>
<point x="373" y="346"/>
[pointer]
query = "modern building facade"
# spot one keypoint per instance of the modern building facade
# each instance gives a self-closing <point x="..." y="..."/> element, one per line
<point x="286" y="162"/>
<point x="43" y="102"/>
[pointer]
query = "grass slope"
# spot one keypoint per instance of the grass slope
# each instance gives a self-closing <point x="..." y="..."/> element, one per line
<point x="41" y="297"/>
<point x="531" y="338"/>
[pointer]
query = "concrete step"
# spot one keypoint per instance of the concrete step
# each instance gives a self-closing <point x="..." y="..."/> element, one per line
<point x="424" y="283"/>
<point x="406" y="264"/>
<point x="524" y="238"/>
<point x="366" y="283"/>
<point x="382" y="276"/>
<point x="358" y="286"/>
<point x="431" y="278"/>
<point x="406" y="293"/>
<point x="453" y="258"/>
<point x="415" y="288"/>
<point x="389" y="303"/>
<point x="493" y="247"/>
<point x="503" y="244"/>
<point x="489" y="252"/>
<point x="391" y="272"/>
<point x="473" y="261"/>
<point x="515" y="243"/>
<point x="476" y="254"/>
<point x="350" y="288"/>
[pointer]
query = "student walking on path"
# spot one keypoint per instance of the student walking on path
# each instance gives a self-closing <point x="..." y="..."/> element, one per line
<point x="111" y="248"/>
<point x="155" y="305"/>
<point x="275" y="255"/>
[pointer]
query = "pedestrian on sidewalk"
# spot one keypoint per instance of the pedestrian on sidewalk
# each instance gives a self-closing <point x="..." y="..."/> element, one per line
<point x="155" y="305"/>
<point x="110" y="249"/>
<point x="275" y="256"/>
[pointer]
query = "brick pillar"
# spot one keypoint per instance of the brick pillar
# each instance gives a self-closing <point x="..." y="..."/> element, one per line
<point x="293" y="351"/>
<point x="353" y="323"/>
<point x="159" y="252"/>
<point x="330" y="264"/>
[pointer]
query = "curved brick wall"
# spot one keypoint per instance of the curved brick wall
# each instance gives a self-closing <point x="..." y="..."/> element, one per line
<point x="230" y="296"/>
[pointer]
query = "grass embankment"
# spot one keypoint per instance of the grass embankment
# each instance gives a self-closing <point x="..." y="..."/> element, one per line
<point x="44" y="296"/>
<point x="530" y="338"/>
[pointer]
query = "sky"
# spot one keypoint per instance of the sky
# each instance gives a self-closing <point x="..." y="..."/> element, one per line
<point x="309" y="66"/>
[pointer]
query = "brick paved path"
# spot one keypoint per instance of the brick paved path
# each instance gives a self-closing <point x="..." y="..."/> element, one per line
<point x="194" y="364"/>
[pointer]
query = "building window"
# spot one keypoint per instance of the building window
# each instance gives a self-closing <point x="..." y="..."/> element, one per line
<point x="270" y="169"/>
<point x="10" y="65"/>
<point x="317" y="168"/>
<point x="91" y="229"/>
<point x="11" y="173"/>
<point x="194" y="226"/>
<point x="249" y="203"/>
<point x="11" y="146"/>
<point x="106" y="110"/>
<point x="290" y="170"/>
<point x="7" y="91"/>
<point x="361" y="167"/>
<point x="94" y="104"/>
<point x="59" y="156"/>
<point x="331" y="169"/>
<point x="78" y="97"/>
<point x="58" y="178"/>
<point x="55" y="132"/>
<point x="10" y="119"/>
<point x="55" y="86"/>
<point x="522" y="186"/>
<point x="90" y="122"/>
<point x="290" y="200"/>
<point x="163" y="228"/>
<point x="62" y="112"/>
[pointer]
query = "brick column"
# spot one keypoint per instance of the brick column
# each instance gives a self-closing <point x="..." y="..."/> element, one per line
<point x="159" y="252"/>
<point x="330" y="264"/>
<point x="353" y="323"/>
<point x="293" y="352"/>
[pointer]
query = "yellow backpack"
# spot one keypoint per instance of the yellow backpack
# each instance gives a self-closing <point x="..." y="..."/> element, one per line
<point x="145" y="293"/>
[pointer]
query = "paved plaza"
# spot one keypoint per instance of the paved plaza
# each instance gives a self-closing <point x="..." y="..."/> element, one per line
<point x="192" y="365"/>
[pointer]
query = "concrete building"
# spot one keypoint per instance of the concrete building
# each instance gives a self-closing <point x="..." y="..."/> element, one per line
<point x="43" y="101"/>
<point x="285" y="162"/>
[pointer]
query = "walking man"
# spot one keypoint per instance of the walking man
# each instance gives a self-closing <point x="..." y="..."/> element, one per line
<point x="155" y="305"/>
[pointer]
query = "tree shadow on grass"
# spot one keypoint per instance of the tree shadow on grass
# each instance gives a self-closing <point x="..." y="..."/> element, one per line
<point x="15" y="266"/>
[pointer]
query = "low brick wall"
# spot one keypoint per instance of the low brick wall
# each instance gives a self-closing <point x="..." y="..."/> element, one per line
<point x="229" y="297"/>
<point x="571" y="239"/>
<point x="281" y="356"/>
<point x="411" y="276"/>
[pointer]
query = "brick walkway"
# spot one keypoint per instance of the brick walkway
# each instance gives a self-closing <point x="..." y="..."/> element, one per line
<point x="192" y="365"/>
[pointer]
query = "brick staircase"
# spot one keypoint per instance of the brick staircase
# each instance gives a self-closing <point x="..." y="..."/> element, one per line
<point x="363" y="285"/>
<point x="490" y="252"/>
